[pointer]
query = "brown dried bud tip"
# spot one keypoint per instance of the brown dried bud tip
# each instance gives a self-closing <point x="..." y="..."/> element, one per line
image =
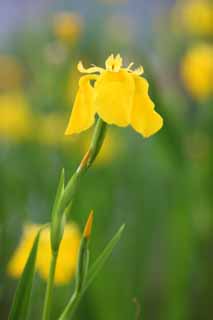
<point x="84" y="161"/>
<point x="88" y="226"/>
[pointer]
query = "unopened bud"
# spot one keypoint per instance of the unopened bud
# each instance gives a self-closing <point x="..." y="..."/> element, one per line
<point x="88" y="226"/>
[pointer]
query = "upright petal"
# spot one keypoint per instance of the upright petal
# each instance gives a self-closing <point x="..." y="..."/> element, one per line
<point x="144" y="119"/>
<point x="82" y="116"/>
<point x="113" y="97"/>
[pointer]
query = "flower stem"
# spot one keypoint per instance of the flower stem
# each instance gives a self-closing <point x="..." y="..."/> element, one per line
<point x="71" y="306"/>
<point x="66" y="199"/>
<point x="86" y="162"/>
<point x="49" y="289"/>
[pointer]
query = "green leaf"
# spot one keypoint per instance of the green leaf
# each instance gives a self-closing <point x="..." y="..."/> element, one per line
<point x="57" y="220"/>
<point x="59" y="192"/>
<point x="21" y="301"/>
<point x="101" y="260"/>
<point x="95" y="269"/>
<point x="97" y="140"/>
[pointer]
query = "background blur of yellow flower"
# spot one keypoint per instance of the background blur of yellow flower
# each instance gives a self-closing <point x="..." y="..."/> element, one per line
<point x="67" y="258"/>
<point x="19" y="258"/>
<point x="67" y="26"/>
<point x="11" y="73"/>
<point x="15" y="117"/>
<point x="194" y="16"/>
<point x="197" y="71"/>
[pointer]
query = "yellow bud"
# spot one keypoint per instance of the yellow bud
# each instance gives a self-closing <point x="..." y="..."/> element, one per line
<point x="88" y="226"/>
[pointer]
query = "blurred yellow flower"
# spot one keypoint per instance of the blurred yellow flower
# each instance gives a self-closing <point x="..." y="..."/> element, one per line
<point x="19" y="258"/>
<point x="67" y="26"/>
<point x="11" y="73"/>
<point x="194" y="16"/>
<point x="197" y="71"/>
<point x="15" y="117"/>
<point x="67" y="258"/>
<point x="119" y="96"/>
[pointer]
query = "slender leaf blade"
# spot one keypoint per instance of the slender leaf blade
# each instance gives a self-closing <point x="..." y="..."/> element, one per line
<point x="103" y="257"/>
<point x="71" y="306"/>
<point x="21" y="301"/>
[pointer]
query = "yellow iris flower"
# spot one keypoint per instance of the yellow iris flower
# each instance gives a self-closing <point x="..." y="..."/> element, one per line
<point x="119" y="96"/>
<point x="196" y="17"/>
<point x="67" y="257"/>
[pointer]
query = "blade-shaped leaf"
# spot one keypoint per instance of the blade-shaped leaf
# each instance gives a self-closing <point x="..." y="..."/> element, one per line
<point x="59" y="192"/>
<point x="97" y="266"/>
<point x="57" y="220"/>
<point x="21" y="301"/>
<point x="103" y="257"/>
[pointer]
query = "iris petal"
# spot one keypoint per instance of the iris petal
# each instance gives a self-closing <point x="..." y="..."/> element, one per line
<point x="82" y="116"/>
<point x="113" y="97"/>
<point x="144" y="119"/>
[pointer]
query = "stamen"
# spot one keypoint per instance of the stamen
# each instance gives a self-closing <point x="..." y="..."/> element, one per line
<point x="139" y="71"/>
<point x="129" y="66"/>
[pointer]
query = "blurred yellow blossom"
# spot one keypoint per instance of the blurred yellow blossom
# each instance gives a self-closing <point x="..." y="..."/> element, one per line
<point x="19" y="258"/>
<point x="67" y="26"/>
<point x="197" y="71"/>
<point x="119" y="96"/>
<point x="194" y="16"/>
<point x="11" y="73"/>
<point x="67" y="257"/>
<point x="15" y="117"/>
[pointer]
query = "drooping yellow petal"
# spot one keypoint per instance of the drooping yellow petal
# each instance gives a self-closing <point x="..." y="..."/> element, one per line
<point x="113" y="97"/>
<point x="82" y="116"/>
<point x="144" y="119"/>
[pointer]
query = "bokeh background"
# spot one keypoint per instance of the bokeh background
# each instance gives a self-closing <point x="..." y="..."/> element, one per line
<point x="160" y="187"/>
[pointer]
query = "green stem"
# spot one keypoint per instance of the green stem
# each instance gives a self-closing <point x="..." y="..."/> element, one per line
<point x="86" y="162"/>
<point x="49" y="289"/>
<point x="67" y="197"/>
<point x="88" y="159"/>
<point x="71" y="306"/>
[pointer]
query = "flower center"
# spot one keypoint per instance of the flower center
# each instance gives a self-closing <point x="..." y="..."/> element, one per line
<point x="114" y="63"/>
